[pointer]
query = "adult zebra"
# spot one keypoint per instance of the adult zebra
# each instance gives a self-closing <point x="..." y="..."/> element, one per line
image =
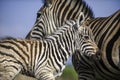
<point x="44" y="59"/>
<point x="106" y="31"/>
<point x="54" y="13"/>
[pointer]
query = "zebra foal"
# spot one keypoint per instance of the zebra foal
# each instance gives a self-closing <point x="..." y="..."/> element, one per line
<point x="106" y="32"/>
<point x="43" y="59"/>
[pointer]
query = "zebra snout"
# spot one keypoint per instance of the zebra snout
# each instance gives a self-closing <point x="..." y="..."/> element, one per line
<point x="98" y="55"/>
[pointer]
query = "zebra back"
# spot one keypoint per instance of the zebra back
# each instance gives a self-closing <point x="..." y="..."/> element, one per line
<point x="43" y="59"/>
<point x="37" y="57"/>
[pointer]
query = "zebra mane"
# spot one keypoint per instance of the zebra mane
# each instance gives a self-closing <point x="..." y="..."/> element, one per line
<point x="81" y="2"/>
<point x="88" y="8"/>
<point x="8" y="37"/>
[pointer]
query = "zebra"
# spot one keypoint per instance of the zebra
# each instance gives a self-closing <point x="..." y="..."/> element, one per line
<point x="54" y="13"/>
<point x="106" y="32"/>
<point x="44" y="59"/>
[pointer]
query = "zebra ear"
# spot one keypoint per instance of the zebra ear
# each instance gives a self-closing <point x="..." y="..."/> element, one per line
<point x="81" y="18"/>
<point x="48" y="2"/>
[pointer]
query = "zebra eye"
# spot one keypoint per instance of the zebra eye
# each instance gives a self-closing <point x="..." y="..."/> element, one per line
<point x="86" y="37"/>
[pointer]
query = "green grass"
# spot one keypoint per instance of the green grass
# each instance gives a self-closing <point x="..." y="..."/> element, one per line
<point x="68" y="74"/>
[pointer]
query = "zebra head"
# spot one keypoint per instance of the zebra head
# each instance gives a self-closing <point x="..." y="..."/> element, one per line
<point x="54" y="13"/>
<point x="62" y="10"/>
<point x="85" y="42"/>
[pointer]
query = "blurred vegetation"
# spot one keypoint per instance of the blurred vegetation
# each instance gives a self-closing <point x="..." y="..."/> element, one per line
<point x="68" y="74"/>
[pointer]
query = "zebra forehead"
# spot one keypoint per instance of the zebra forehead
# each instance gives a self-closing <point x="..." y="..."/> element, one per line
<point x="84" y="30"/>
<point x="81" y="29"/>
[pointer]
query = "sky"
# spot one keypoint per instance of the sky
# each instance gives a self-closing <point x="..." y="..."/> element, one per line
<point x="17" y="17"/>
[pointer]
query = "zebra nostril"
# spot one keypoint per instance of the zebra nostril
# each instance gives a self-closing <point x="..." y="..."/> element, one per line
<point x="98" y="55"/>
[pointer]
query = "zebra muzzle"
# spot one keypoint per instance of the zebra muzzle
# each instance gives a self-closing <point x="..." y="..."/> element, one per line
<point x="98" y="55"/>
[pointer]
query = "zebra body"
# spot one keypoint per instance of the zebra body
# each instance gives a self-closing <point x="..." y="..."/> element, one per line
<point x="106" y="31"/>
<point x="54" y="13"/>
<point x="43" y="59"/>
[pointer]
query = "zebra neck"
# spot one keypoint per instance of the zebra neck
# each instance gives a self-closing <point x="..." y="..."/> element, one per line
<point x="64" y="39"/>
<point x="65" y="44"/>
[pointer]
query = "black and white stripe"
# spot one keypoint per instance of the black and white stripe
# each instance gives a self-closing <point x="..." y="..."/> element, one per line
<point x="54" y="13"/>
<point x="43" y="59"/>
<point x="106" y="31"/>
